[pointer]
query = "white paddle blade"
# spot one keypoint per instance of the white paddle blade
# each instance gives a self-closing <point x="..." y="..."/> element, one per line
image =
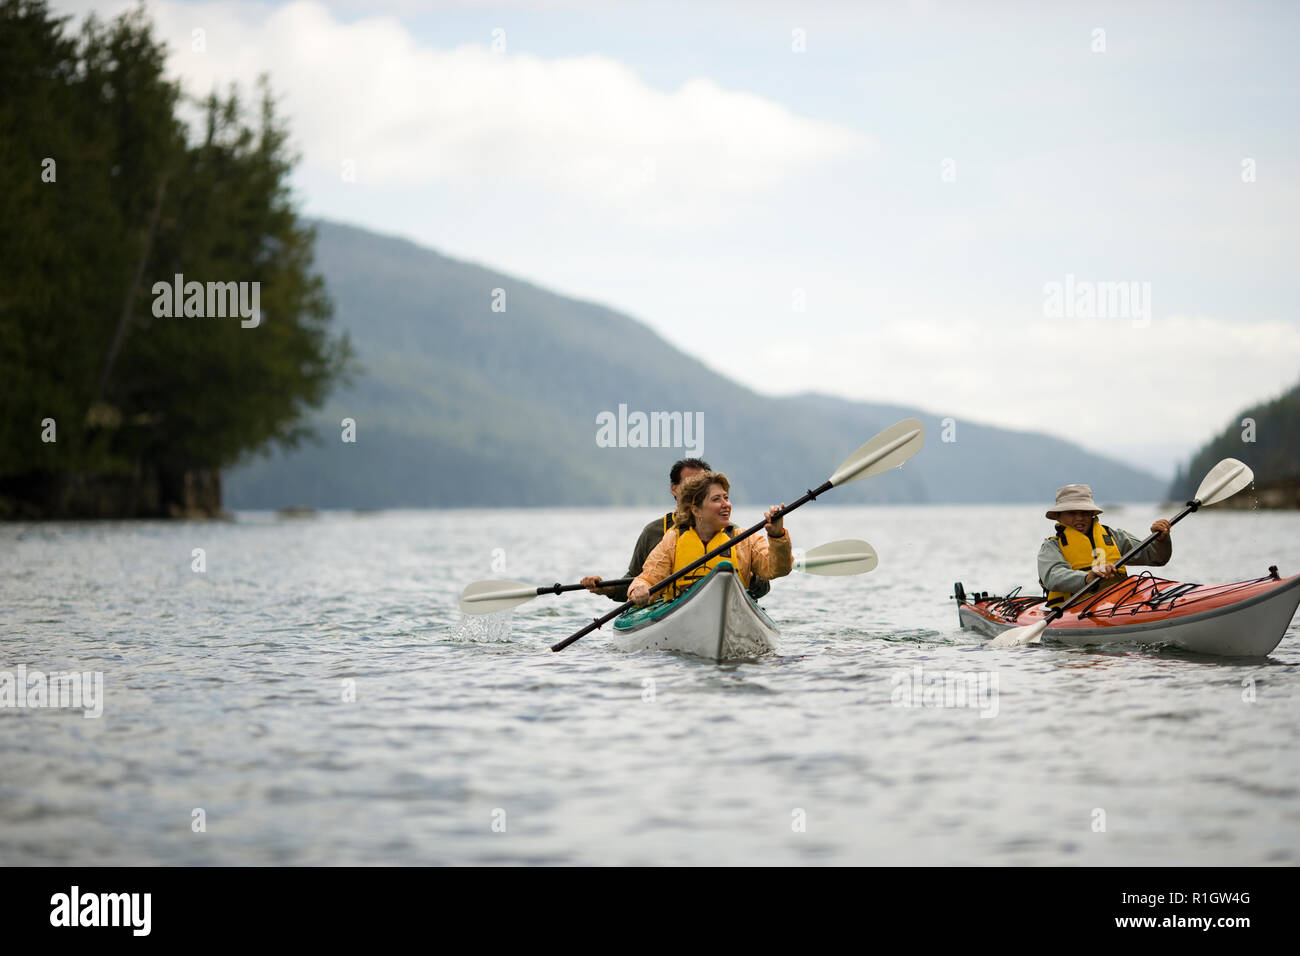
<point x="1224" y="480"/>
<point x="887" y="450"/>
<point x="839" y="558"/>
<point x="489" y="597"/>
<point x="1018" y="636"/>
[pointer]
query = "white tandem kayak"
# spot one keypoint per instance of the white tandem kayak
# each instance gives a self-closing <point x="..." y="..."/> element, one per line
<point x="716" y="619"/>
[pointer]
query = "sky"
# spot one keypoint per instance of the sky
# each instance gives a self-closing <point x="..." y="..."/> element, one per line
<point x="1078" y="218"/>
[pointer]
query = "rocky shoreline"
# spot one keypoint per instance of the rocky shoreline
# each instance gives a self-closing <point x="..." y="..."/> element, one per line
<point x="145" y="492"/>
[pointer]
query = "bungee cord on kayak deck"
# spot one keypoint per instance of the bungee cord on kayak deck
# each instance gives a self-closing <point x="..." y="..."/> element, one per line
<point x="1134" y="599"/>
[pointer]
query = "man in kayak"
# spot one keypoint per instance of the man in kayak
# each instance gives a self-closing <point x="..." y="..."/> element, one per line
<point x="681" y="472"/>
<point x="702" y="523"/>
<point x="1083" y="549"/>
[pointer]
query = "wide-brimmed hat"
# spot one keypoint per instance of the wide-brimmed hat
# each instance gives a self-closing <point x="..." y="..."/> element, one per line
<point x="1073" y="498"/>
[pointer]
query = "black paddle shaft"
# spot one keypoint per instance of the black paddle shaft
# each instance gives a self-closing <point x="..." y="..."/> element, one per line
<point x="1124" y="558"/>
<point x="780" y="513"/>
<point x="561" y="588"/>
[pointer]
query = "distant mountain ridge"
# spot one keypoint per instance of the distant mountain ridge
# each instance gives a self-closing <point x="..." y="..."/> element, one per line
<point x="459" y="405"/>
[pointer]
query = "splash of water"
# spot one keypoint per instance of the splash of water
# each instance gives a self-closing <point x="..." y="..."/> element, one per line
<point x="483" y="628"/>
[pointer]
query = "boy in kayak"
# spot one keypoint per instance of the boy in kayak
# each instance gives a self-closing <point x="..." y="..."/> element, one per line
<point x="702" y="523"/>
<point x="681" y="472"/>
<point x="1083" y="549"/>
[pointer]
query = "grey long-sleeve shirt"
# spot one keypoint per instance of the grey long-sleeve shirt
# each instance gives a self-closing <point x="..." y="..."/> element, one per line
<point x="1055" y="573"/>
<point x="650" y="536"/>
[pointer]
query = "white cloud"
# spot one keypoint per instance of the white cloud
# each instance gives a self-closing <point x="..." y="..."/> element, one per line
<point x="584" y="130"/>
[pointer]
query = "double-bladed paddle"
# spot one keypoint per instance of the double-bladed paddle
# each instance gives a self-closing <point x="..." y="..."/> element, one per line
<point x="488" y="597"/>
<point x="1223" y="481"/>
<point x="836" y="558"/>
<point x="887" y="450"/>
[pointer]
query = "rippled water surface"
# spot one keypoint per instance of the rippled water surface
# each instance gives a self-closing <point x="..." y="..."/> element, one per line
<point x="226" y="691"/>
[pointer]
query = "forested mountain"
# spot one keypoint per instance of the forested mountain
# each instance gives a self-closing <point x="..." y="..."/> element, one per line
<point x="474" y="388"/>
<point x="461" y="405"/>
<point x="1267" y="438"/>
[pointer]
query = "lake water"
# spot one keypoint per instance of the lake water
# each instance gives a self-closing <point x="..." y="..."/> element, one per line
<point x="313" y="696"/>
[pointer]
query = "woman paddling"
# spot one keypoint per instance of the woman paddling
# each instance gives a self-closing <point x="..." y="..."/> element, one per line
<point x="682" y="471"/>
<point x="701" y="523"/>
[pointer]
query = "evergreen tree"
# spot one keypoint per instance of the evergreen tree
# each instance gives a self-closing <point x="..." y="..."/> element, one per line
<point x="1266" y="437"/>
<point x="107" y="198"/>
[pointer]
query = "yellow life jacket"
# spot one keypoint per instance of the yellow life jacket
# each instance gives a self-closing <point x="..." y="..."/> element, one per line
<point x="1084" y="553"/>
<point x="690" y="549"/>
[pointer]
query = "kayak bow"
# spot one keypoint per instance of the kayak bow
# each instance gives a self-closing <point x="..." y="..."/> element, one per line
<point x="716" y="619"/>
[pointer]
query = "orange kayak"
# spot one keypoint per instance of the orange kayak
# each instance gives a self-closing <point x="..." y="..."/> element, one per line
<point x="1244" y="619"/>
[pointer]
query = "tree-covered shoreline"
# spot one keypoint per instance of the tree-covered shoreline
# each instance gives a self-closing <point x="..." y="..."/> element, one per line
<point x="1267" y="438"/>
<point x="115" y="402"/>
